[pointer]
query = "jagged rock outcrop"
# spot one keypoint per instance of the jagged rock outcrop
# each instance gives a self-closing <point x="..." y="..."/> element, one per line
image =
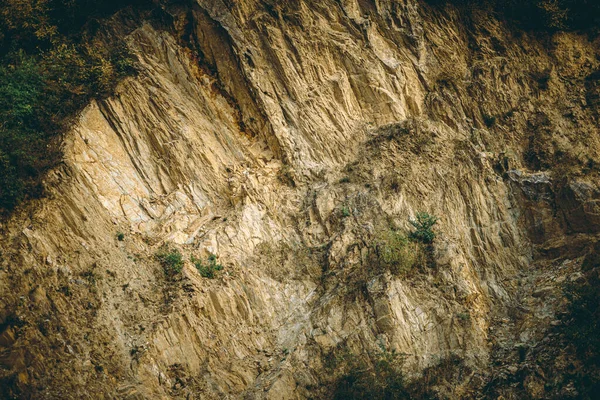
<point x="282" y="136"/>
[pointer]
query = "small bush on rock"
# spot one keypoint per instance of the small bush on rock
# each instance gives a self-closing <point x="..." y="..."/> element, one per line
<point x="171" y="261"/>
<point x="423" y="224"/>
<point x="208" y="270"/>
<point x="345" y="211"/>
<point x="396" y="252"/>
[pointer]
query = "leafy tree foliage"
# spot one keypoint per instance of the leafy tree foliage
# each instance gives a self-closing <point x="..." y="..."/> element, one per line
<point x="53" y="60"/>
<point x="423" y="227"/>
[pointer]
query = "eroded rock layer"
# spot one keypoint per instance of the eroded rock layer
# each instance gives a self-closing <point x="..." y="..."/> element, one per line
<point x="283" y="137"/>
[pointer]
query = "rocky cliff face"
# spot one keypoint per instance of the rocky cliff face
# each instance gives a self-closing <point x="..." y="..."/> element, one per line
<point x="284" y="137"/>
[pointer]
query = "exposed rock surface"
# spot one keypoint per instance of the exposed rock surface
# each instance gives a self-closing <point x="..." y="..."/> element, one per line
<point x="282" y="136"/>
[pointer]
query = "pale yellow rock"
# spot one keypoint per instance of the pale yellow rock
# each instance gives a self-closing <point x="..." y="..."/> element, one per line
<point x="331" y="91"/>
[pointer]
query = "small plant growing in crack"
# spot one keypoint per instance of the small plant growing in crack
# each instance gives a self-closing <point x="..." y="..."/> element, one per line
<point x="463" y="316"/>
<point x="397" y="253"/>
<point x="208" y="270"/>
<point x="171" y="260"/>
<point x="345" y="211"/>
<point x="423" y="224"/>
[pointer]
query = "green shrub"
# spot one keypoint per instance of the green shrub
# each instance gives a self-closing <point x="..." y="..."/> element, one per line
<point x="23" y="144"/>
<point x="208" y="270"/>
<point x="423" y="225"/>
<point x="120" y="236"/>
<point x="396" y="253"/>
<point x="50" y="68"/>
<point x="489" y="120"/>
<point x="171" y="260"/>
<point x="463" y="316"/>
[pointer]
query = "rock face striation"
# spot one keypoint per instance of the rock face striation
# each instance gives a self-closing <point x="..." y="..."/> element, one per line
<point x="284" y="137"/>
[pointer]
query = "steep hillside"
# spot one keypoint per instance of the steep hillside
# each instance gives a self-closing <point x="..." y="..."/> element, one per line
<point x="235" y="221"/>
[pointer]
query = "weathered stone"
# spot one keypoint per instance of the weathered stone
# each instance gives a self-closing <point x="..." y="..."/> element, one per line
<point x="282" y="137"/>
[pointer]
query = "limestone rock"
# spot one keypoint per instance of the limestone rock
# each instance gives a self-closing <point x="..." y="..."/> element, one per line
<point x="282" y="137"/>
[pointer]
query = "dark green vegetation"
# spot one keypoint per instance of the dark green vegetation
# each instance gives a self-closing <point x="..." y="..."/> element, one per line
<point x="171" y="260"/>
<point x="55" y="56"/>
<point x="423" y="228"/>
<point x="539" y="14"/>
<point x="210" y="269"/>
<point x="345" y="211"/>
